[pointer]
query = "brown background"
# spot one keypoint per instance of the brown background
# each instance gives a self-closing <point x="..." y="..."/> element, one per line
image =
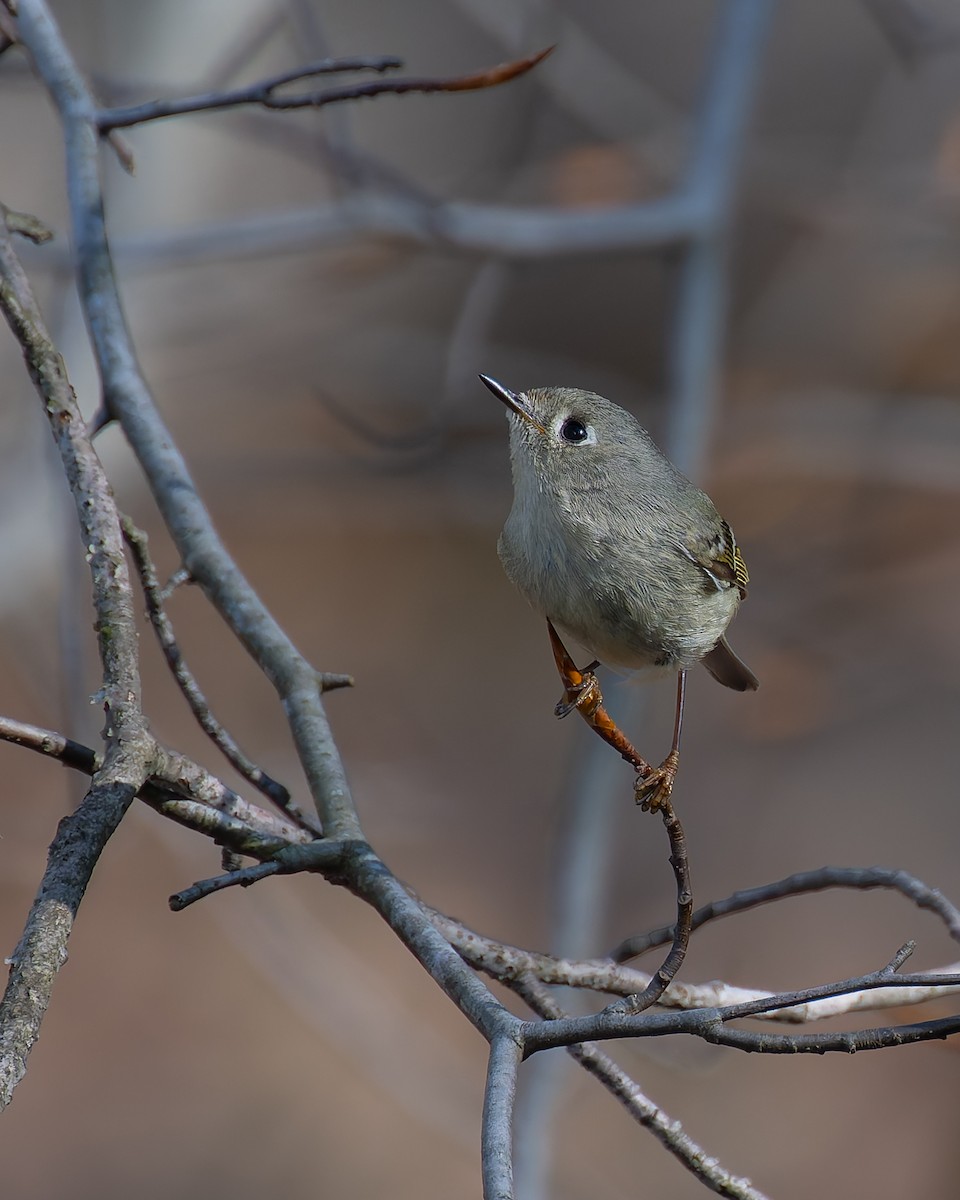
<point x="278" y="1040"/>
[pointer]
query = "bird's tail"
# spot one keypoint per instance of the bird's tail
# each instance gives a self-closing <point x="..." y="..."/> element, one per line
<point x="728" y="669"/>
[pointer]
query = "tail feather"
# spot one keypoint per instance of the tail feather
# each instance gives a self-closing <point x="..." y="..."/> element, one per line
<point x="728" y="669"/>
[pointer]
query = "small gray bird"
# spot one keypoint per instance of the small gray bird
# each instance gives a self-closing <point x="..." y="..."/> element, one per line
<point x="612" y="544"/>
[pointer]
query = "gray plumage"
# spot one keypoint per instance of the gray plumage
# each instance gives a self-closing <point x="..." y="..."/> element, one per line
<point x="610" y="542"/>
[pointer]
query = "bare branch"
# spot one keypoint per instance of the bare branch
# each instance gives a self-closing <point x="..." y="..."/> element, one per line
<point x="47" y="742"/>
<point x="130" y="752"/>
<point x="848" y="1042"/>
<point x="261" y="93"/>
<point x="177" y="788"/>
<point x="236" y="835"/>
<point x="371" y="880"/>
<point x="508" y="963"/>
<point x="667" y="1131"/>
<point x="100" y="420"/>
<point x="26" y="225"/>
<point x="664" y="975"/>
<point x="180" y="578"/>
<point x="162" y="626"/>
<point x="128" y="399"/>
<point x="264" y="92"/>
<point x="857" y="878"/>
<point x="243" y="877"/>
<point x="496" y="1154"/>
<point x="710" y="1023"/>
<point x="720" y="995"/>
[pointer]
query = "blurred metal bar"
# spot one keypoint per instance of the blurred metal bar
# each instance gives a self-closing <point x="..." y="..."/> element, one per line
<point x="700" y="317"/>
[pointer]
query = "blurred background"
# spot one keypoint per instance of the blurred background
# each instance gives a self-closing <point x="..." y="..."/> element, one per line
<point x="802" y="362"/>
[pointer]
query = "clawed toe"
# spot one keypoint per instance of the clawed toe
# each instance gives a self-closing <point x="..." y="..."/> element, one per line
<point x="581" y="691"/>
<point x="584" y="695"/>
<point x="653" y="791"/>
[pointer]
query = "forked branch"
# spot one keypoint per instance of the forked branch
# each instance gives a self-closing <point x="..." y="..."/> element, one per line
<point x="265" y="92"/>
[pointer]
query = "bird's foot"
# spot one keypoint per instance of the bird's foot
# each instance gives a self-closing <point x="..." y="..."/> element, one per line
<point x="581" y="690"/>
<point x="652" y="790"/>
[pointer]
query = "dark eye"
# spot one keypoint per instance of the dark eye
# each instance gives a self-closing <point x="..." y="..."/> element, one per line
<point x="573" y="430"/>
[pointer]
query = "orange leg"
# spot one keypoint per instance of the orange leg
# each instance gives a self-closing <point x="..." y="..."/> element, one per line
<point x="581" y="691"/>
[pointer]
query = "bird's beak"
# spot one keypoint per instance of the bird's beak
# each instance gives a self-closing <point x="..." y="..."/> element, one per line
<point x="517" y="402"/>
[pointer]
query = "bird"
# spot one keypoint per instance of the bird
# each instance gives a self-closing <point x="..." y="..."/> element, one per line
<point x="616" y="548"/>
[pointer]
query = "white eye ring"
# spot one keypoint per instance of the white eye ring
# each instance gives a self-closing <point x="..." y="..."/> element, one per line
<point x="573" y="432"/>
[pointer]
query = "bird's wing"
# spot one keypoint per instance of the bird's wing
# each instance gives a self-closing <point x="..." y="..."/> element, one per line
<point x="719" y="558"/>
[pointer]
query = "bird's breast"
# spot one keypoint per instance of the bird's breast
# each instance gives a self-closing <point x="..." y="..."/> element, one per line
<point x="629" y="606"/>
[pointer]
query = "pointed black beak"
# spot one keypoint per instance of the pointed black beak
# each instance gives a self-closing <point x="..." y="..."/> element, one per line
<point x="516" y="401"/>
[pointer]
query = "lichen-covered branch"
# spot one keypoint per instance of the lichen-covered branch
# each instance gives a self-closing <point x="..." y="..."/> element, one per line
<point x="130" y="751"/>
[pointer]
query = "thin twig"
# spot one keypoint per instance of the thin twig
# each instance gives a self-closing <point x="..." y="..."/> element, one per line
<point x="264" y="92"/>
<point x="26" y="225"/>
<point x="327" y="858"/>
<point x="206" y="887"/>
<point x="178" y="579"/>
<point x="330" y="140"/>
<point x="665" y="974"/>
<point x="100" y="421"/>
<point x="858" y="878"/>
<point x="123" y="150"/>
<point x="332" y="681"/>
<point x="711" y="1023"/>
<point x="260" y="93"/>
<point x="847" y="1042"/>
<point x="163" y="628"/>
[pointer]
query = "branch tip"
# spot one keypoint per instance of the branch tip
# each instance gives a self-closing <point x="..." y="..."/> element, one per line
<point x="901" y="956"/>
<point x="123" y="150"/>
<point x="265" y="92"/>
<point x="330" y="681"/>
<point x="26" y="225"/>
<point x="245" y="877"/>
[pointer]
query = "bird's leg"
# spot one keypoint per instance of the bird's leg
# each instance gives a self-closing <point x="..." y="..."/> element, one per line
<point x="653" y="790"/>
<point x="581" y="691"/>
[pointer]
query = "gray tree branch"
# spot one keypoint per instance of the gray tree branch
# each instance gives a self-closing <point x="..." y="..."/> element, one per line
<point x="130" y="751"/>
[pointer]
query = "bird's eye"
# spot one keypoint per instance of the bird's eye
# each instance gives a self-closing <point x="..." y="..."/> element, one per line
<point x="573" y="430"/>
